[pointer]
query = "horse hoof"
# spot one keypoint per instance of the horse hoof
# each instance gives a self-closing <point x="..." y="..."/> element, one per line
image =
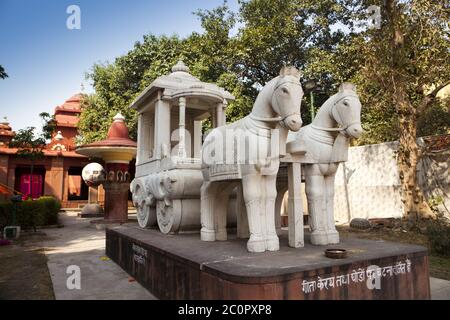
<point x="256" y="245"/>
<point x="333" y="237"/>
<point x="273" y="244"/>
<point x="207" y="235"/>
<point x="221" y="235"/>
<point x="319" y="238"/>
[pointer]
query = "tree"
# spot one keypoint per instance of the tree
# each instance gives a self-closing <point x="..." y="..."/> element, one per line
<point x="30" y="147"/>
<point x="3" y="73"/>
<point x="48" y="125"/>
<point x="292" y="32"/>
<point x="399" y="68"/>
<point x="238" y="63"/>
<point x="403" y="65"/>
<point x="117" y="84"/>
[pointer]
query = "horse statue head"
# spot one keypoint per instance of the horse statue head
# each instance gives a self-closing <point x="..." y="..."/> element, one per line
<point x="346" y="110"/>
<point x="284" y="95"/>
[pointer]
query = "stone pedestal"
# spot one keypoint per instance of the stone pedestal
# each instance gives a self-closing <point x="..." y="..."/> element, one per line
<point x="183" y="267"/>
<point x="116" y="201"/>
<point x="116" y="186"/>
<point x="117" y="150"/>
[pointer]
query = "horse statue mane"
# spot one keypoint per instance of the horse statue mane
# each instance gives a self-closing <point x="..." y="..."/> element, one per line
<point x="331" y="127"/>
<point x="290" y="71"/>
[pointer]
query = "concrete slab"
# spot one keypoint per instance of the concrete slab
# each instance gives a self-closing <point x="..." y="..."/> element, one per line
<point x="440" y="289"/>
<point x="81" y="245"/>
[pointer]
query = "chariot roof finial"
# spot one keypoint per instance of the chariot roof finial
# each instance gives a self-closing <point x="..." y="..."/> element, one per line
<point x="180" y="66"/>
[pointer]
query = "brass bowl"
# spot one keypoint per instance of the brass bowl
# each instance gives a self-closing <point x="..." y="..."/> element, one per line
<point x="336" y="253"/>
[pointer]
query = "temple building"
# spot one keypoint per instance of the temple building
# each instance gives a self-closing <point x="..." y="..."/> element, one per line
<point x="59" y="172"/>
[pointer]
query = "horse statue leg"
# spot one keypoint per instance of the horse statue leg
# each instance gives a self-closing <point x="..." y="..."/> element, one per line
<point x="272" y="241"/>
<point x="281" y="191"/>
<point x="316" y="204"/>
<point x="207" y="217"/>
<point x="251" y="185"/>
<point x="242" y="231"/>
<point x="220" y="210"/>
<point x="332" y="234"/>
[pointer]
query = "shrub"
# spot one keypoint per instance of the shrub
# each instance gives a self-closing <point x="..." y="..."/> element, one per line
<point x="438" y="233"/>
<point x="29" y="213"/>
<point x="52" y="207"/>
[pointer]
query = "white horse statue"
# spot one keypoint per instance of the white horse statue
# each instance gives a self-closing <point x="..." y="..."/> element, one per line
<point x="326" y="141"/>
<point x="252" y="148"/>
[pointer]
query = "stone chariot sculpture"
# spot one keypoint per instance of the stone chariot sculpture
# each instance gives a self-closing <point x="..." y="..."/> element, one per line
<point x="166" y="188"/>
<point x="246" y="154"/>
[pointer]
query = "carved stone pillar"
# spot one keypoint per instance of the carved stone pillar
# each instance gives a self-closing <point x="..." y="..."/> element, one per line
<point x="197" y="138"/>
<point x="295" y="206"/>
<point x="162" y="130"/>
<point x="182" y="128"/>
<point x="220" y="114"/>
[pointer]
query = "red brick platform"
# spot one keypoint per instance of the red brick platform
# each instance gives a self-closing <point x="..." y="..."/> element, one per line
<point x="183" y="267"/>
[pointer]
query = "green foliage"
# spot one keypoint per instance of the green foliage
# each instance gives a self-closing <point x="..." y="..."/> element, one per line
<point x="39" y="212"/>
<point x="438" y="233"/>
<point x="3" y="73"/>
<point x="273" y="33"/>
<point x="116" y="85"/>
<point x="48" y="126"/>
<point x="434" y="202"/>
<point x="435" y="120"/>
<point x="242" y="50"/>
<point x="29" y="144"/>
<point x="421" y="64"/>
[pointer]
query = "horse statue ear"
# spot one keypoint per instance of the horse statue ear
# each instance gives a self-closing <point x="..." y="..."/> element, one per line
<point x="290" y="71"/>
<point x="347" y="86"/>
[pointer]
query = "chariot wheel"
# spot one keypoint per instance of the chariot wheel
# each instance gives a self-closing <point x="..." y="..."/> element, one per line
<point x="168" y="215"/>
<point x="142" y="201"/>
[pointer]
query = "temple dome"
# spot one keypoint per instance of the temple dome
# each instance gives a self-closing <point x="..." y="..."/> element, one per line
<point x="6" y="133"/>
<point x="118" y="129"/>
<point x="118" y="137"/>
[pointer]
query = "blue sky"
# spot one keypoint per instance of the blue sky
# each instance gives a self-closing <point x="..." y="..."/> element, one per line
<point x="46" y="62"/>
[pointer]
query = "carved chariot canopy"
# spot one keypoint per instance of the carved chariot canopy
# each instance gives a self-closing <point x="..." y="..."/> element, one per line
<point x="181" y="83"/>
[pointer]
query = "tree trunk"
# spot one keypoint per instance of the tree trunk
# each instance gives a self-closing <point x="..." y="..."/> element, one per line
<point x="408" y="154"/>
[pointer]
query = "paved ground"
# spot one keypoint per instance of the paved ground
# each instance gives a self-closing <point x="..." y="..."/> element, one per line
<point x="440" y="289"/>
<point x="80" y="244"/>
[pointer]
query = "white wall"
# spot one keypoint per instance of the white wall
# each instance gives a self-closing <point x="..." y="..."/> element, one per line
<point x="373" y="189"/>
<point x="373" y="184"/>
